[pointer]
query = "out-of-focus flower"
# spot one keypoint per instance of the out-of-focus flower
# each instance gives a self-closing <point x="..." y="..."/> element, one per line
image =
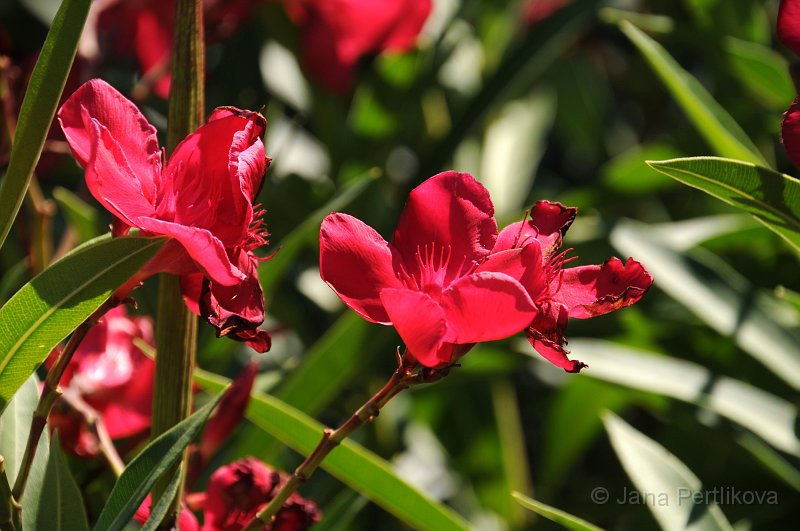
<point x="789" y="34"/>
<point x="438" y="282"/>
<point x="110" y="374"/>
<point x="144" y="29"/>
<point x="579" y="292"/>
<point x="534" y="11"/>
<point x="335" y="35"/>
<point x="236" y="492"/>
<point x="202" y="199"/>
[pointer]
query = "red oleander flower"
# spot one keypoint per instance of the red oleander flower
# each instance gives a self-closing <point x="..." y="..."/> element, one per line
<point x="335" y="35"/>
<point x="789" y="34"/>
<point x="111" y="375"/>
<point x="202" y="198"/>
<point x="579" y="292"/>
<point x="236" y="492"/>
<point x="438" y="282"/>
<point x="187" y="521"/>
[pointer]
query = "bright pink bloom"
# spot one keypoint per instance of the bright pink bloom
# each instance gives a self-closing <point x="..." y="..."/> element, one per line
<point x="110" y="374"/>
<point x="202" y="198"/>
<point x="335" y="35"/>
<point x="236" y="492"/>
<point x="789" y="34"/>
<point x="579" y="292"/>
<point x="438" y="282"/>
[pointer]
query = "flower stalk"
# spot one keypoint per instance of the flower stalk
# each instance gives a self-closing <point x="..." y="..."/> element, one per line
<point x="176" y="330"/>
<point x="408" y="373"/>
<point x="51" y="391"/>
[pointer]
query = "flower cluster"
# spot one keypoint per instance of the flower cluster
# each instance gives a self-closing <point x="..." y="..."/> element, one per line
<point x="202" y="198"/>
<point x="448" y="279"/>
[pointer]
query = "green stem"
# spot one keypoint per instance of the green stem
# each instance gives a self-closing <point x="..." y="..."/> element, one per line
<point x="50" y="392"/>
<point x="176" y="334"/>
<point x="406" y="375"/>
<point x="7" y="503"/>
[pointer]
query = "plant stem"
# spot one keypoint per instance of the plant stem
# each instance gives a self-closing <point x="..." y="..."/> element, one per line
<point x="51" y="391"/>
<point x="176" y="334"/>
<point x="98" y="428"/>
<point x="404" y="377"/>
<point x="7" y="503"/>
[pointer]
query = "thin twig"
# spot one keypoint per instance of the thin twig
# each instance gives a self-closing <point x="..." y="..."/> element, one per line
<point x="97" y="426"/>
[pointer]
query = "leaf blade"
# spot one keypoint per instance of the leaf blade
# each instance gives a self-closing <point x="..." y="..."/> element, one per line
<point x="713" y="122"/>
<point x="55" y="302"/>
<point x="556" y="515"/>
<point x="39" y="106"/>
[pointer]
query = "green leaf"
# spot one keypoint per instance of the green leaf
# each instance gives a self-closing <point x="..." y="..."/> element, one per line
<point x="146" y="468"/>
<point x="666" y="484"/>
<point x="39" y="106"/>
<point x="351" y="463"/>
<point x="712" y="121"/>
<point x="727" y="305"/>
<point x="271" y="271"/>
<point x="772" y="198"/>
<point x="555" y="515"/>
<point x="15" y="424"/>
<point x="762" y="71"/>
<point x="80" y="214"/>
<point x="59" y="299"/>
<point x="770" y="417"/>
<point x="53" y="500"/>
<point x="164" y="504"/>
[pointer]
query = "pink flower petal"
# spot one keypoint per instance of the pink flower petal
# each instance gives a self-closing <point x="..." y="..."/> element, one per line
<point x="599" y="289"/>
<point x="450" y="214"/>
<point x="554" y="353"/>
<point x="485" y="307"/>
<point x="548" y="223"/>
<point x="111" y="180"/>
<point x="789" y="24"/>
<point x="524" y="265"/>
<point x="421" y="323"/>
<point x="357" y="263"/>
<point x="128" y="127"/>
<point x="546" y="335"/>
<point x="211" y="176"/>
<point x="203" y="247"/>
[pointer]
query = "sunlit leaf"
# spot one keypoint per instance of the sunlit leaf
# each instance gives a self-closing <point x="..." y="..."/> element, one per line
<point x="15" y="424"/>
<point x="712" y="121"/>
<point x="57" y="300"/>
<point x="772" y="198"/>
<point x="351" y="463"/>
<point x="730" y="309"/>
<point x="147" y="467"/>
<point x="39" y="106"/>
<point x="53" y="500"/>
<point x="556" y="515"/>
<point x="764" y="414"/>
<point x="666" y="484"/>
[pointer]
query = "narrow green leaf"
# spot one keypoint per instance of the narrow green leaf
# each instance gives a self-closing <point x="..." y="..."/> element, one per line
<point x="712" y="121"/>
<point x="770" y="459"/>
<point x="772" y="198"/>
<point x="764" y="414"/>
<point x="146" y="468"/>
<point x="762" y="71"/>
<point x="39" y="106"/>
<point x="668" y="487"/>
<point x="15" y="424"/>
<point x="80" y="214"/>
<point x="164" y="504"/>
<point x="53" y="500"/>
<point x="271" y="272"/>
<point x="351" y="463"/>
<point x="54" y="303"/>
<point x="728" y="307"/>
<point x="556" y="515"/>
